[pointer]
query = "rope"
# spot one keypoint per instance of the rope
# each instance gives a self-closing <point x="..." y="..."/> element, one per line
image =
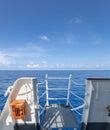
<point x="43" y="109"/>
<point x="81" y="106"/>
<point x="77" y="96"/>
<point x="74" y="110"/>
<point x="78" y="113"/>
<point x="42" y="95"/>
<point x="41" y="83"/>
<point x="77" y="83"/>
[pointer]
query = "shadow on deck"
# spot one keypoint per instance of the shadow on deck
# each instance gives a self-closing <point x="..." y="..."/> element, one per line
<point x="59" y="116"/>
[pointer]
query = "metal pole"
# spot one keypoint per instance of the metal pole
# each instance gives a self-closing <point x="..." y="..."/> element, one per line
<point x="47" y="102"/>
<point x="36" y="102"/>
<point x="68" y="93"/>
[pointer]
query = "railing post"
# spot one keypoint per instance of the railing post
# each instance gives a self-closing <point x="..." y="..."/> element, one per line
<point x="47" y="102"/>
<point x="68" y="92"/>
<point x="36" y="101"/>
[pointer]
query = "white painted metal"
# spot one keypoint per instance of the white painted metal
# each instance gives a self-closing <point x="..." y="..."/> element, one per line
<point x="27" y="88"/>
<point x="98" y="111"/>
<point x="58" y="78"/>
<point x="8" y="91"/>
<point x="47" y="102"/>
<point x="20" y="87"/>
<point x="88" y="95"/>
<point x="58" y="89"/>
<point x="57" y="98"/>
<point x="36" y="100"/>
<point x="69" y="85"/>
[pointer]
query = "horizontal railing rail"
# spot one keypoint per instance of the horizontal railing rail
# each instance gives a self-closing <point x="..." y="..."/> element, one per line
<point x="65" y="89"/>
<point x="58" y="78"/>
<point x="57" y="98"/>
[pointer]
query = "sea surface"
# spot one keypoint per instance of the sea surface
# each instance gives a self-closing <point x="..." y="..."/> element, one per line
<point x="7" y="78"/>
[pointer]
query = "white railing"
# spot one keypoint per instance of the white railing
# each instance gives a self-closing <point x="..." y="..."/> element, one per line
<point x="57" y="98"/>
<point x="57" y="78"/>
<point x="68" y="90"/>
<point x="58" y="89"/>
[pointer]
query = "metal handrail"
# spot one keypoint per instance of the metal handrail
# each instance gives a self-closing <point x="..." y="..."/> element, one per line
<point x="67" y="89"/>
<point x="57" y="98"/>
<point x="58" y="89"/>
<point x="58" y="78"/>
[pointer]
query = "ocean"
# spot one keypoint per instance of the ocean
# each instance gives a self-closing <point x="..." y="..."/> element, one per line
<point x="7" y="78"/>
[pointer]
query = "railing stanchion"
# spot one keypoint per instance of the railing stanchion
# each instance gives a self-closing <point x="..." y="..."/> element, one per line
<point x="47" y="102"/>
<point x="68" y="93"/>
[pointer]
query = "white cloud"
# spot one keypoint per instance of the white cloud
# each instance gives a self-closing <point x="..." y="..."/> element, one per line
<point x="29" y="50"/>
<point x="33" y="66"/>
<point x="99" y="66"/>
<point x="5" y="60"/>
<point x="87" y="66"/>
<point x="75" y="20"/>
<point x="18" y="58"/>
<point x="60" y="66"/>
<point x="44" y="38"/>
<point x="41" y="65"/>
<point x="79" y="66"/>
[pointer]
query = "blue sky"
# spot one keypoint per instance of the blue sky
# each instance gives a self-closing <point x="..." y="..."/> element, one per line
<point x="55" y="34"/>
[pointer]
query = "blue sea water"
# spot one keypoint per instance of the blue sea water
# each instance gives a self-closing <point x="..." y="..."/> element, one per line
<point x="7" y="78"/>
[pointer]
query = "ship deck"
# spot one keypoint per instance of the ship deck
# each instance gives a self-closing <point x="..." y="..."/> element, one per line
<point x="59" y="116"/>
